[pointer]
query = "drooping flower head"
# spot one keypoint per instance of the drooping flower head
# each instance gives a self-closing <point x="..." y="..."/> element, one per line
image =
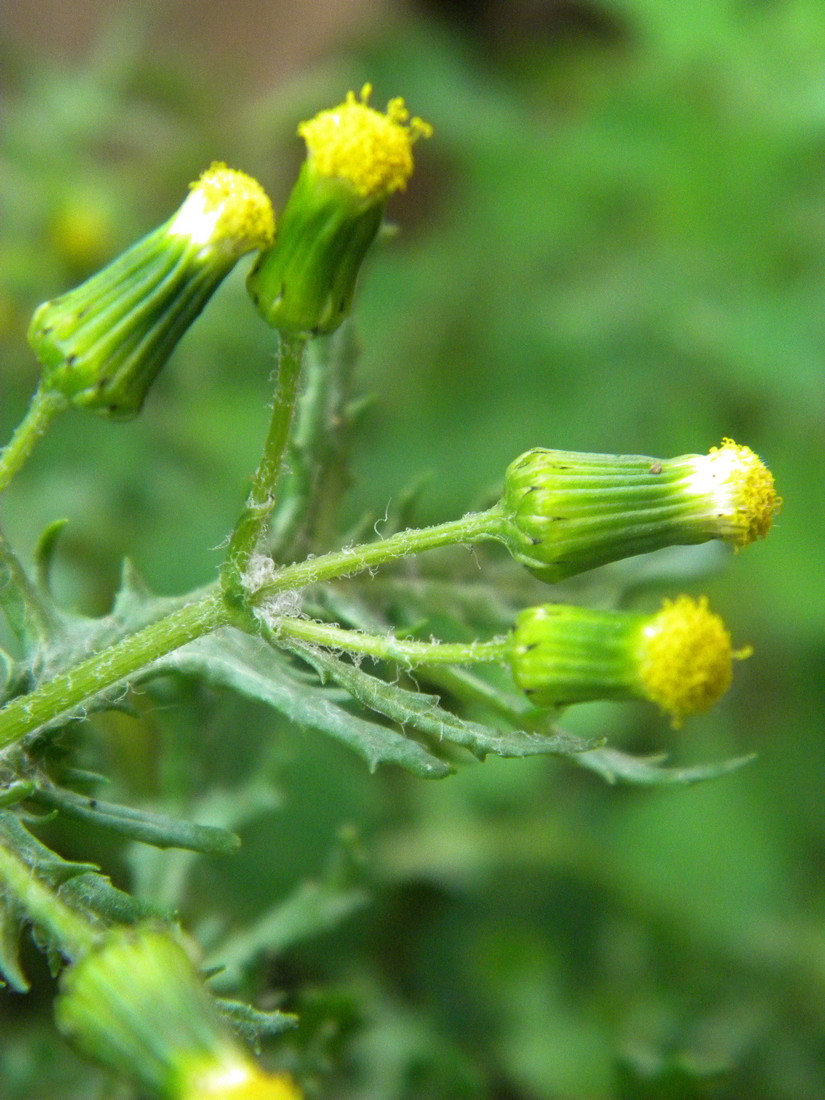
<point x="102" y="344"/>
<point x="356" y="158"/>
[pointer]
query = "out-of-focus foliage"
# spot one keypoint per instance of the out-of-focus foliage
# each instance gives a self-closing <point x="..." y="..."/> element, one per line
<point x="616" y="241"/>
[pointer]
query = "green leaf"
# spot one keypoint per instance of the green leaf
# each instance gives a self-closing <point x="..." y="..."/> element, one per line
<point x="16" y="791"/>
<point x="44" y="552"/>
<point x="252" y="1024"/>
<point x="11" y="923"/>
<point x="159" y="830"/>
<point x="313" y="908"/>
<point x="45" y="863"/>
<point x="620" y="767"/>
<point x="93" y="893"/>
<point x="424" y="713"/>
<point x="249" y="666"/>
<point x="30" y="614"/>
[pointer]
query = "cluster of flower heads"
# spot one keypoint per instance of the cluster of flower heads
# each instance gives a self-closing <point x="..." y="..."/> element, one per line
<point x="102" y="344"/>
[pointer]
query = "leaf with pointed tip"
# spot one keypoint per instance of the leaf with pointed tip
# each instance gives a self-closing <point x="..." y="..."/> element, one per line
<point x="249" y="666"/>
<point x="159" y="830"/>
<point x="42" y="860"/>
<point x="620" y="767"/>
<point x="31" y="615"/>
<point x="15" y="792"/>
<point x="44" y="552"/>
<point x="91" y="892"/>
<point x="252" y="1024"/>
<point x="424" y="713"/>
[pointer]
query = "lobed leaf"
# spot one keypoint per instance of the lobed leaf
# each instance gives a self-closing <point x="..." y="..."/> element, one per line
<point x="621" y="767"/>
<point x="249" y="666"/>
<point x="424" y="713"/>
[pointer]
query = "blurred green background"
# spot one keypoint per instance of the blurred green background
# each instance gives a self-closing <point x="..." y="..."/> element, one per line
<point x="614" y="242"/>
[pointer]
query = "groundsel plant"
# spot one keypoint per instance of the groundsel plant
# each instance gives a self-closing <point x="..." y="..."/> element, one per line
<point x="293" y="613"/>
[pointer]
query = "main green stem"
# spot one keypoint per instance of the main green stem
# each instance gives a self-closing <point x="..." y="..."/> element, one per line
<point x="42" y="410"/>
<point x="69" y="690"/>
<point x="40" y="904"/>
<point x="261" y="500"/>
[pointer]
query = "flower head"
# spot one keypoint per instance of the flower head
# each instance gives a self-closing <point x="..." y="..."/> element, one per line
<point x="225" y="211"/>
<point x="137" y="1004"/>
<point x="565" y="512"/>
<point x="356" y="158"/>
<point x="679" y="658"/>
<point x="734" y="483"/>
<point x="102" y="344"/>
<point x="685" y="658"/>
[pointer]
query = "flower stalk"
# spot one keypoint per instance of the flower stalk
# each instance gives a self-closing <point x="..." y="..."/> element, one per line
<point x="44" y="406"/>
<point x="261" y="500"/>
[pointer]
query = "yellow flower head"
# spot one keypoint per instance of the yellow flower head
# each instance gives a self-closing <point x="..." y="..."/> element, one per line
<point x="226" y="209"/>
<point x="370" y="150"/>
<point x="685" y="658"/>
<point x="742" y="490"/>
<point x="242" y="1080"/>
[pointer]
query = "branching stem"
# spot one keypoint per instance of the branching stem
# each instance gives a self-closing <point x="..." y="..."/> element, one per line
<point x="67" y="692"/>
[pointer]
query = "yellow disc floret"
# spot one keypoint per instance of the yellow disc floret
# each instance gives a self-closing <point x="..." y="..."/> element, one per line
<point x="685" y="658"/>
<point x="226" y="209"/>
<point x="742" y="489"/>
<point x="370" y="150"/>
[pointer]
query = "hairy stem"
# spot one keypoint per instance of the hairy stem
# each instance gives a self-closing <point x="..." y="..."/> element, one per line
<point x="67" y="692"/>
<point x="473" y="527"/>
<point x="42" y="410"/>
<point x="60" y="696"/>
<point x="261" y="500"/>
<point x="386" y="647"/>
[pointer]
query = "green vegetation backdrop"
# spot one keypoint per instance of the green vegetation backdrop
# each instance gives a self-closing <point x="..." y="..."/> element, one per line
<point x="615" y="242"/>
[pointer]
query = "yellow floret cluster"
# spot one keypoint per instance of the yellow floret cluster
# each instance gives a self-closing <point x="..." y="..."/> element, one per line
<point x="745" y="489"/>
<point x="236" y="206"/>
<point x="369" y="149"/>
<point x="244" y="1081"/>
<point x="685" y="658"/>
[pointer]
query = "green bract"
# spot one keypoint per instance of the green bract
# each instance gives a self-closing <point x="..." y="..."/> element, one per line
<point x="566" y="512"/>
<point x="305" y="283"/>
<point x="356" y="158"/>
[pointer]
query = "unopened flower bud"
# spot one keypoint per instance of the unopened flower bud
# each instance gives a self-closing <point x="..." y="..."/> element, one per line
<point x="566" y="512"/>
<point x="679" y="658"/>
<point x="356" y="158"/>
<point x="102" y="344"/>
<point x="136" y="1004"/>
